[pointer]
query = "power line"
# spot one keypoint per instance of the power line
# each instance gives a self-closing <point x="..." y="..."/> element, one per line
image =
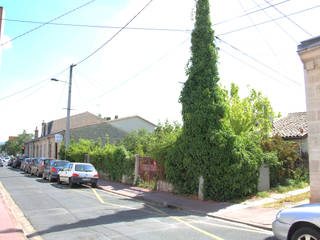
<point x="286" y="32"/>
<point x="250" y="65"/>
<point x="272" y="20"/>
<point x="110" y="39"/>
<point x="32" y="86"/>
<point x="288" y="18"/>
<point x="257" y="61"/>
<point x="102" y="26"/>
<point x="140" y="72"/>
<point x="45" y="23"/>
<point x="181" y="30"/>
<point x="139" y="28"/>
<point x="249" y="13"/>
<point x="260" y="33"/>
<point x="35" y="91"/>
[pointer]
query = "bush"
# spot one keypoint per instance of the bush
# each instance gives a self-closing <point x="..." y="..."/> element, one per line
<point x="115" y="161"/>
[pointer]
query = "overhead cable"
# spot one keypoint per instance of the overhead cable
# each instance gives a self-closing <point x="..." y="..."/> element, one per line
<point x="110" y="39"/>
<point x="138" y="28"/>
<point x="257" y="61"/>
<point x="45" y="23"/>
<point x="32" y="86"/>
<point x="288" y="18"/>
<point x="255" y="68"/>
<point x="172" y="29"/>
<point x="268" y="21"/>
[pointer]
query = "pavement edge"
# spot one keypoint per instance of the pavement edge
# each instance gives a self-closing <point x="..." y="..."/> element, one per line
<point x="21" y="221"/>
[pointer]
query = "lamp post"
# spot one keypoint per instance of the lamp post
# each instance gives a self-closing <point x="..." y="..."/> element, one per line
<point x="69" y="104"/>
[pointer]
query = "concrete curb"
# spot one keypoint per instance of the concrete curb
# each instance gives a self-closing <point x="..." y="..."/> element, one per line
<point x="21" y="220"/>
<point x="165" y="204"/>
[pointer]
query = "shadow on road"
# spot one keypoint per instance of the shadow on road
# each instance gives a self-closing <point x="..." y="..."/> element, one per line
<point x="118" y="217"/>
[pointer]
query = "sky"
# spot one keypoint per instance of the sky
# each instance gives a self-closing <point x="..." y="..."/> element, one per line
<point x="141" y="70"/>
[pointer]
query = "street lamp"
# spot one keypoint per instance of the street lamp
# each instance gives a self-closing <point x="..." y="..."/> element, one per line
<point x="69" y="104"/>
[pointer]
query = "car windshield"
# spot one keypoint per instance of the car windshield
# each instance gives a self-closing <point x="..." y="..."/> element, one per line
<point x="60" y="163"/>
<point x="84" y="168"/>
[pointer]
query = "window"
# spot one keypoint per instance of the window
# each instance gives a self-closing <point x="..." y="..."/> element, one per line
<point x="84" y="168"/>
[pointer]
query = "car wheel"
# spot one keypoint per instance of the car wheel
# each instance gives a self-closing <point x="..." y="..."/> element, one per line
<point x="43" y="177"/>
<point x="70" y="183"/>
<point x="94" y="185"/>
<point x="50" y="178"/>
<point x="306" y="233"/>
<point x="58" y="180"/>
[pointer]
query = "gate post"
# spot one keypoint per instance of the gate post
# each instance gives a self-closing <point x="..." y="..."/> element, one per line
<point x="200" y="193"/>
<point x="136" y="170"/>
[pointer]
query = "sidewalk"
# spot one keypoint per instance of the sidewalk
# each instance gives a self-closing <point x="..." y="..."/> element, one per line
<point x="9" y="229"/>
<point x="250" y="213"/>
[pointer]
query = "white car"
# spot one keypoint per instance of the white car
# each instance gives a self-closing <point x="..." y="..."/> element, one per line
<point x="78" y="173"/>
<point x="298" y="223"/>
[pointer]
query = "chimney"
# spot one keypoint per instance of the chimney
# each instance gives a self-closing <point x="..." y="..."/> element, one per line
<point x="43" y="130"/>
<point x="36" y="133"/>
<point x="116" y="117"/>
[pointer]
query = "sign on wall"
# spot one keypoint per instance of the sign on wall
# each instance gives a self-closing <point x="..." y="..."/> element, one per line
<point x="58" y="138"/>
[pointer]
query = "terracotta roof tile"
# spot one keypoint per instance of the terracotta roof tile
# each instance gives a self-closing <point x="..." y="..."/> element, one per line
<point x="295" y="125"/>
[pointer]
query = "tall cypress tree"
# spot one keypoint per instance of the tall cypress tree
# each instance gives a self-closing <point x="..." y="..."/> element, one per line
<point x="206" y="146"/>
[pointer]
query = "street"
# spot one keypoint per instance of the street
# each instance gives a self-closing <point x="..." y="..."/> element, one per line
<point x="58" y="212"/>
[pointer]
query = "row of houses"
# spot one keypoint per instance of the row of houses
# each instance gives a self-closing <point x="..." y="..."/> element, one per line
<point x="84" y="125"/>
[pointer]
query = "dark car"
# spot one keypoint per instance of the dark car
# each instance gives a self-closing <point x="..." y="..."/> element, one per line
<point x="30" y="164"/>
<point x="17" y="162"/>
<point x="39" y="167"/>
<point x="52" y="168"/>
<point x="34" y="166"/>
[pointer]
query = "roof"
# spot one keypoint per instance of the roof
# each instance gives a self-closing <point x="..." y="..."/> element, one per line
<point x="78" y="120"/>
<point x="310" y="43"/>
<point x="293" y="126"/>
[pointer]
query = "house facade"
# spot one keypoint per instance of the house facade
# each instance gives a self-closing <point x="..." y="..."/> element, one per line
<point x="85" y="125"/>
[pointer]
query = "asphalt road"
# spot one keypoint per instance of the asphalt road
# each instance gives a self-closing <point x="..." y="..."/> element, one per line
<point x="58" y="212"/>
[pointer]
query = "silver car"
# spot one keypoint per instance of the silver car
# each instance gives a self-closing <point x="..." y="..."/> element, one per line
<point x="298" y="223"/>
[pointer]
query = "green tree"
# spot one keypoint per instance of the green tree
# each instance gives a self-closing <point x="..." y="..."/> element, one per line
<point x="289" y="161"/>
<point x="207" y="145"/>
<point x="14" y="147"/>
<point x="250" y="114"/>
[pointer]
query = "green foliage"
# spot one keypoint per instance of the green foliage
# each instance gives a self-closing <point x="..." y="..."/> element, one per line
<point x="14" y="147"/>
<point x="207" y="145"/>
<point x="115" y="161"/>
<point x="137" y="142"/>
<point x="251" y="114"/>
<point x="289" y="165"/>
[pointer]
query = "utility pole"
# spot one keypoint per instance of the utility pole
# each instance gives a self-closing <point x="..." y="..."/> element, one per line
<point x="69" y="108"/>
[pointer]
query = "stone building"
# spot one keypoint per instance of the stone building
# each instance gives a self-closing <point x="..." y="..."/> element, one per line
<point x="85" y="125"/>
<point x="309" y="52"/>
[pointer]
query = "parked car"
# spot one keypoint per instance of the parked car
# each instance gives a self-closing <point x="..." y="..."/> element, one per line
<point x="17" y="161"/>
<point x="52" y="168"/>
<point x="29" y="165"/>
<point x="5" y="160"/>
<point x="24" y="163"/>
<point x="34" y="166"/>
<point x="78" y="173"/>
<point x="298" y="223"/>
<point x="39" y="167"/>
<point x="9" y="161"/>
<point x="1" y="163"/>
